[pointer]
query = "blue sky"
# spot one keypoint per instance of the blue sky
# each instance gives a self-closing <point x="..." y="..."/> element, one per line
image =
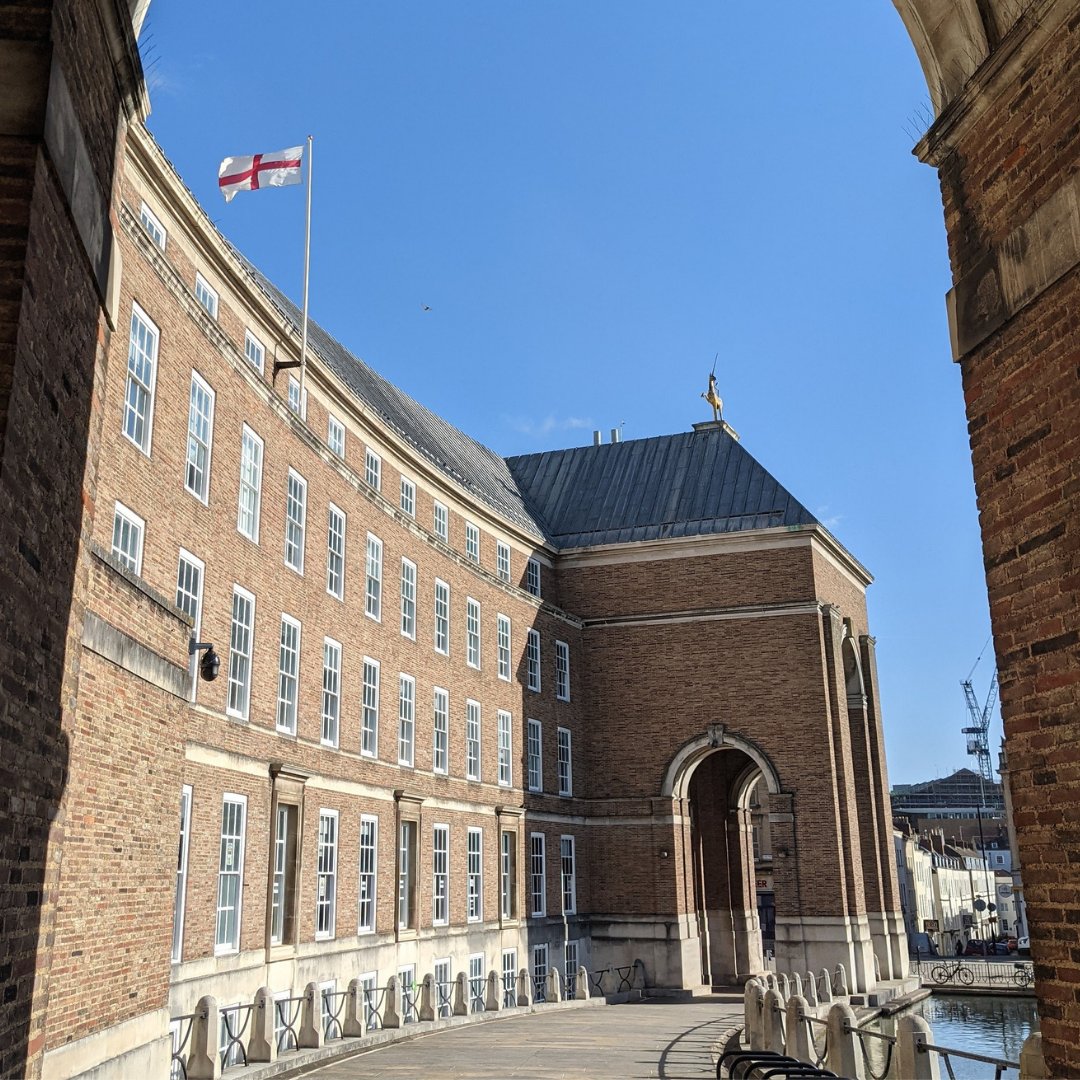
<point x="595" y="198"/>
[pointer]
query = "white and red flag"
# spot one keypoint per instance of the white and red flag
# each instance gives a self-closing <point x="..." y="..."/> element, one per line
<point x="256" y="171"/>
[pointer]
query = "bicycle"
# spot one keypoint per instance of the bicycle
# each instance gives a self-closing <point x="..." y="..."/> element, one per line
<point x="1022" y="976"/>
<point x="943" y="973"/>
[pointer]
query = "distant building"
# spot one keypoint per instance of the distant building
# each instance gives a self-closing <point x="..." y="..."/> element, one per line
<point x="958" y="796"/>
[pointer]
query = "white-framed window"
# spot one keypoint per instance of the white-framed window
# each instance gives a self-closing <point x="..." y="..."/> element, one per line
<point x="472" y="740"/>
<point x="569" y="874"/>
<point x="441" y="725"/>
<point x="509" y="978"/>
<point x="369" y="983"/>
<point x="537" y="875"/>
<point x="141" y="378"/>
<point x="508" y="874"/>
<point x="283" y="880"/>
<point x="407" y="983"/>
<point x="562" y="671"/>
<point x="566" y="763"/>
<point x="540" y="971"/>
<point x="326" y="880"/>
<point x="335" y="551"/>
<point x="406" y="718"/>
<point x="502" y="560"/>
<point x="472" y="632"/>
<point x="532" y="661"/>
<point x="254" y="350"/>
<point x="297" y="401"/>
<point x="532" y="577"/>
<point x="475" y="869"/>
<point x="230" y="873"/>
<point x="295" y="518"/>
<point x="407" y="875"/>
<point x="408" y="599"/>
<point x="440" y="875"/>
<point x="502" y="636"/>
<point x="472" y="542"/>
<point x="207" y="295"/>
<point x="408" y="496"/>
<point x="505" y="748"/>
<point x="241" y="641"/>
<point x="181" y="874"/>
<point x="373" y="583"/>
<point x="189" y="587"/>
<point x="200" y="438"/>
<point x="251" y="460"/>
<point x="444" y="989"/>
<point x="373" y="469"/>
<point x="369" y="844"/>
<point x="229" y="1024"/>
<point x="477" y="982"/>
<point x="331" y="691"/>
<point x="127" y="537"/>
<point x="335" y="435"/>
<point x="153" y="226"/>
<point x="288" y="674"/>
<point x="442" y="617"/>
<point x="369" y="719"/>
<point x="535" y="756"/>
<point x="441" y="520"/>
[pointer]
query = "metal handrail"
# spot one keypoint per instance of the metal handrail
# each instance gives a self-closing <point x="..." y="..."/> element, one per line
<point x="178" y="1066"/>
<point x="374" y="1007"/>
<point x="1000" y="1064"/>
<point x="820" y="1057"/>
<point x="332" y="1014"/>
<point x="624" y="974"/>
<point x="509" y="991"/>
<point x="410" y="1013"/>
<point x="289" y="1018"/>
<point x="477" y="1002"/>
<point x="889" y="1040"/>
<point x="235" y="1037"/>
<point x="443" y="999"/>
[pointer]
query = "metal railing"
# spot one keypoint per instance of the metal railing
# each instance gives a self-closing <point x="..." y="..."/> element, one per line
<point x="612" y="980"/>
<point x="181" y="1026"/>
<point x="946" y="1053"/>
<point x="234" y="1051"/>
<point x="333" y="1007"/>
<point x="374" y="1007"/>
<point x="408" y="1008"/>
<point x="822" y="1055"/>
<point x="444" y="999"/>
<point x="286" y="1017"/>
<point x="862" y="1034"/>
<point x="959" y="971"/>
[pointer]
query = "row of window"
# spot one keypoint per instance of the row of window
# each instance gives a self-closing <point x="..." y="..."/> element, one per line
<point x="138" y="427"/>
<point x="285" y="865"/>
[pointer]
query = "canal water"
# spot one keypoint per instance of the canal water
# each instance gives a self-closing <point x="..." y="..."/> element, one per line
<point x="978" y="1023"/>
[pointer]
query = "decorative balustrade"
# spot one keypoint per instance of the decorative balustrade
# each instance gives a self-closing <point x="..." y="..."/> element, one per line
<point x="828" y="1036"/>
<point x="212" y="1038"/>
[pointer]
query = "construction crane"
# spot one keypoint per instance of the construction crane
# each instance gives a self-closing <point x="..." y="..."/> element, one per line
<point x="978" y="739"/>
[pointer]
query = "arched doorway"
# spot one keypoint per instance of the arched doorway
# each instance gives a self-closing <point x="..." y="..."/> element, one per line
<point x="721" y="840"/>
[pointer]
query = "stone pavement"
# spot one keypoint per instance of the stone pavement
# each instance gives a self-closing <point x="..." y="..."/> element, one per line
<point x="637" y="1041"/>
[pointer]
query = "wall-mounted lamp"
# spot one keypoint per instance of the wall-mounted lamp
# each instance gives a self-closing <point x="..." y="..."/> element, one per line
<point x="664" y="853"/>
<point x="210" y="664"/>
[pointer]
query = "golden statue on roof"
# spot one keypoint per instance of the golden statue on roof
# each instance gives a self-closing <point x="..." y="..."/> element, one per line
<point x="714" y="399"/>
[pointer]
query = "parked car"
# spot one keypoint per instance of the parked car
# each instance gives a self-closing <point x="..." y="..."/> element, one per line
<point x="1023" y="946"/>
<point x="975" y="947"/>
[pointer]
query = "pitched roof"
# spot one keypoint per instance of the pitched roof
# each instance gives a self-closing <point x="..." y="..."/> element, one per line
<point x="465" y="461"/>
<point x="690" y="484"/>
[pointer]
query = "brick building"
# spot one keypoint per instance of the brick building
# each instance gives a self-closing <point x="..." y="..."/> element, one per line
<point x="94" y="655"/>
<point x="472" y="713"/>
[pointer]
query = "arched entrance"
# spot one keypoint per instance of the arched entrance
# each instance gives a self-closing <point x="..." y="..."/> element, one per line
<point x="722" y="849"/>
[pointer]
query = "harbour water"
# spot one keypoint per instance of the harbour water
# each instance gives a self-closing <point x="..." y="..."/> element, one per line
<point x="995" y="1026"/>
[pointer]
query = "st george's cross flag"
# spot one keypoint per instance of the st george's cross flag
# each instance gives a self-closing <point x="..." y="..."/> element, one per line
<point x="277" y="169"/>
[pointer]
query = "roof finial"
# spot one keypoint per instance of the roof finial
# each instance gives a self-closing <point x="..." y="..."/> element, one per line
<point x="712" y="397"/>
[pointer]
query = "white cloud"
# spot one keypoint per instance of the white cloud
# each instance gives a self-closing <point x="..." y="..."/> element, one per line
<point x="536" y="427"/>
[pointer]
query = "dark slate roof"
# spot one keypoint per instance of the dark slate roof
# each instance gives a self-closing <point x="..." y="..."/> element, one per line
<point x="690" y="484"/>
<point x="473" y="466"/>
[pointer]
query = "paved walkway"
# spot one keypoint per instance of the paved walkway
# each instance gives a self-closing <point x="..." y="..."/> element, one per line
<point x="638" y="1041"/>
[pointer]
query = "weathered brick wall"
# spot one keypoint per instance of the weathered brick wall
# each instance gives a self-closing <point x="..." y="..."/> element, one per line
<point x="1022" y="391"/>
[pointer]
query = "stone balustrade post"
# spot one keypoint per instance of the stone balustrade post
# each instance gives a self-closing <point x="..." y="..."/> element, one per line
<point x="772" y="1021"/>
<point x="637" y="980"/>
<point x="391" y="1017"/>
<point x="310" y="1036"/>
<point x="493" y="992"/>
<point x="797" y="1030"/>
<point x="912" y="1061"/>
<point x="524" y="989"/>
<point x="811" y="989"/>
<point x="753" y="1003"/>
<point x="461" y="995"/>
<point x="877" y="968"/>
<point x="354" y="1016"/>
<point x="796" y="985"/>
<point x="843" y="1056"/>
<point x="553" y="987"/>
<point x="1032" y="1063"/>
<point x="427" y="1010"/>
<point x="262" y="1046"/>
<point x="840" y="983"/>
<point x="581" y="985"/>
<point x="783" y="984"/>
<point x="203" y="1060"/>
<point x="826" y="994"/>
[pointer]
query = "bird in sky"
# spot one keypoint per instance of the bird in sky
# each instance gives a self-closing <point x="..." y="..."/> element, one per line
<point x="424" y="307"/>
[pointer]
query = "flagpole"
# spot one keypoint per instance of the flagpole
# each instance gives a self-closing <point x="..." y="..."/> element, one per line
<point x="307" y="273"/>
